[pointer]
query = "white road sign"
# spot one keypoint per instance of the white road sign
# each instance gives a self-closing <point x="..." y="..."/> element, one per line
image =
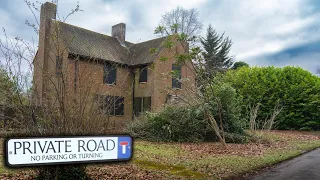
<point x="35" y="151"/>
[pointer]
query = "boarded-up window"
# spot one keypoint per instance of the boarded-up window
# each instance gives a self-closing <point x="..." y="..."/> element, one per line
<point x="176" y="76"/>
<point x="143" y="74"/>
<point x="109" y="74"/>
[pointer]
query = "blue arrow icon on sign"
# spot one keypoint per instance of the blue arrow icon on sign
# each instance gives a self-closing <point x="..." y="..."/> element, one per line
<point x="124" y="147"/>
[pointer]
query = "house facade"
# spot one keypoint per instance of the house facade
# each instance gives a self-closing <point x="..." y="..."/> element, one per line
<point x="124" y="78"/>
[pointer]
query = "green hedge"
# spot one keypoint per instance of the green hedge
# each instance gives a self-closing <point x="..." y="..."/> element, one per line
<point x="297" y="89"/>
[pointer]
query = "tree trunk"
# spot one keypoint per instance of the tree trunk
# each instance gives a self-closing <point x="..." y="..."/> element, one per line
<point x="215" y="128"/>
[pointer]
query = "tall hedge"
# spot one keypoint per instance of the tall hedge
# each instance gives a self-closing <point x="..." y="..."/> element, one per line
<point x="297" y="89"/>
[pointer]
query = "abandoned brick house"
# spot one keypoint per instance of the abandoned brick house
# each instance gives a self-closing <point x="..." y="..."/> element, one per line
<point x="126" y="75"/>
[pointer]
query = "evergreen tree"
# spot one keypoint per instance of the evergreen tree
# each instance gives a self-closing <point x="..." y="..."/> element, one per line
<point x="9" y="90"/>
<point x="217" y="48"/>
<point x="239" y="64"/>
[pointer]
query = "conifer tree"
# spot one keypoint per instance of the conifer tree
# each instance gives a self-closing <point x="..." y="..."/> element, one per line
<point x="216" y="51"/>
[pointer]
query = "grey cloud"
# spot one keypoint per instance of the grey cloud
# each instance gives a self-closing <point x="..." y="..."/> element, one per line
<point x="250" y="24"/>
<point x="308" y="61"/>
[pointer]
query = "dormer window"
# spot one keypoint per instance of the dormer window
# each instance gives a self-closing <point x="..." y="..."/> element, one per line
<point x="143" y="78"/>
<point x="109" y="74"/>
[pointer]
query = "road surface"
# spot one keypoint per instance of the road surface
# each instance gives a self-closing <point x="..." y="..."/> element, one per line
<point x="304" y="167"/>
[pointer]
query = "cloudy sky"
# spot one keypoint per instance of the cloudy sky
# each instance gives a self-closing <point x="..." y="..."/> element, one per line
<point x="264" y="32"/>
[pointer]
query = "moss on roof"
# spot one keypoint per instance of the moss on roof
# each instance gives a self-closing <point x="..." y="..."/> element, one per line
<point x="88" y="43"/>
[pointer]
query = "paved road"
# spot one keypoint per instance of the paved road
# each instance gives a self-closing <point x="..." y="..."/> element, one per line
<point x="304" y="167"/>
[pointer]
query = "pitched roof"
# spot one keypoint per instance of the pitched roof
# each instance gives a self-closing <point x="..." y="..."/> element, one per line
<point x="87" y="43"/>
<point x="140" y="53"/>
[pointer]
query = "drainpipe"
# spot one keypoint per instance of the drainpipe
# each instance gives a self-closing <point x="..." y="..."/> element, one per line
<point x="133" y="87"/>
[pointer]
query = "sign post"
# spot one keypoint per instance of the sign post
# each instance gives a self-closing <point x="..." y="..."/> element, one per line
<point x="36" y="151"/>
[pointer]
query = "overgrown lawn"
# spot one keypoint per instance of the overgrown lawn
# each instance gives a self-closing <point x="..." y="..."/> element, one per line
<point x="201" y="160"/>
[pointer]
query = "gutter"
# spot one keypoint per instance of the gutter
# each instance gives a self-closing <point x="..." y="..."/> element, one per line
<point x="133" y="87"/>
<point x="99" y="60"/>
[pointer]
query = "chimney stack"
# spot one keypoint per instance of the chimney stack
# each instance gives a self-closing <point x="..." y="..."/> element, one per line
<point x="48" y="12"/>
<point x="119" y="32"/>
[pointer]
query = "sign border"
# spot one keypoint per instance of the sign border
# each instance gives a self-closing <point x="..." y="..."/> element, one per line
<point x="64" y="163"/>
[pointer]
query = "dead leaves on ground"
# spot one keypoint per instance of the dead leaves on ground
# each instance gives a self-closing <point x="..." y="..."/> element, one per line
<point x="194" y="152"/>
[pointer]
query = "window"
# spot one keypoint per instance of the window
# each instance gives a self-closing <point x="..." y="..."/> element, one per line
<point x="141" y="104"/>
<point x="119" y="106"/>
<point x="143" y="74"/>
<point x="108" y="107"/>
<point x="176" y="76"/>
<point x="58" y="65"/>
<point x="109" y="74"/>
<point x="146" y="104"/>
<point x="137" y="105"/>
<point x="112" y="105"/>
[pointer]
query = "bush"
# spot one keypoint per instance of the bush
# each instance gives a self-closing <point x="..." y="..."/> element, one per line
<point x="230" y="103"/>
<point x="187" y="124"/>
<point x="178" y="124"/>
<point x="237" y="138"/>
<point x="297" y="89"/>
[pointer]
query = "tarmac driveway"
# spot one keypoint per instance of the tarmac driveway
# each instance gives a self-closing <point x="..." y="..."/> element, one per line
<point x="304" y="167"/>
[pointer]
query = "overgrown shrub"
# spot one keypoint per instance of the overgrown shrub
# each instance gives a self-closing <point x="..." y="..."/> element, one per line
<point x="178" y="124"/>
<point x="188" y="124"/>
<point x="297" y="89"/>
<point x="237" y="138"/>
<point x="226" y="102"/>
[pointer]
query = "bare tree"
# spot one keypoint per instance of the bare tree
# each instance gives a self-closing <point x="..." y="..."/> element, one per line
<point x="318" y="70"/>
<point x="182" y="21"/>
<point x="253" y="116"/>
<point x="268" y="122"/>
<point x="177" y="44"/>
<point x="276" y="110"/>
<point x="66" y="102"/>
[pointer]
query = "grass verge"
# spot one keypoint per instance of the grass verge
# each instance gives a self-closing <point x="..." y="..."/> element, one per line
<point x="165" y="157"/>
<point x="203" y="160"/>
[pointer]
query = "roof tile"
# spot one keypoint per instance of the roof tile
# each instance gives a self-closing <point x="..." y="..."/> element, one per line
<point x="88" y="43"/>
